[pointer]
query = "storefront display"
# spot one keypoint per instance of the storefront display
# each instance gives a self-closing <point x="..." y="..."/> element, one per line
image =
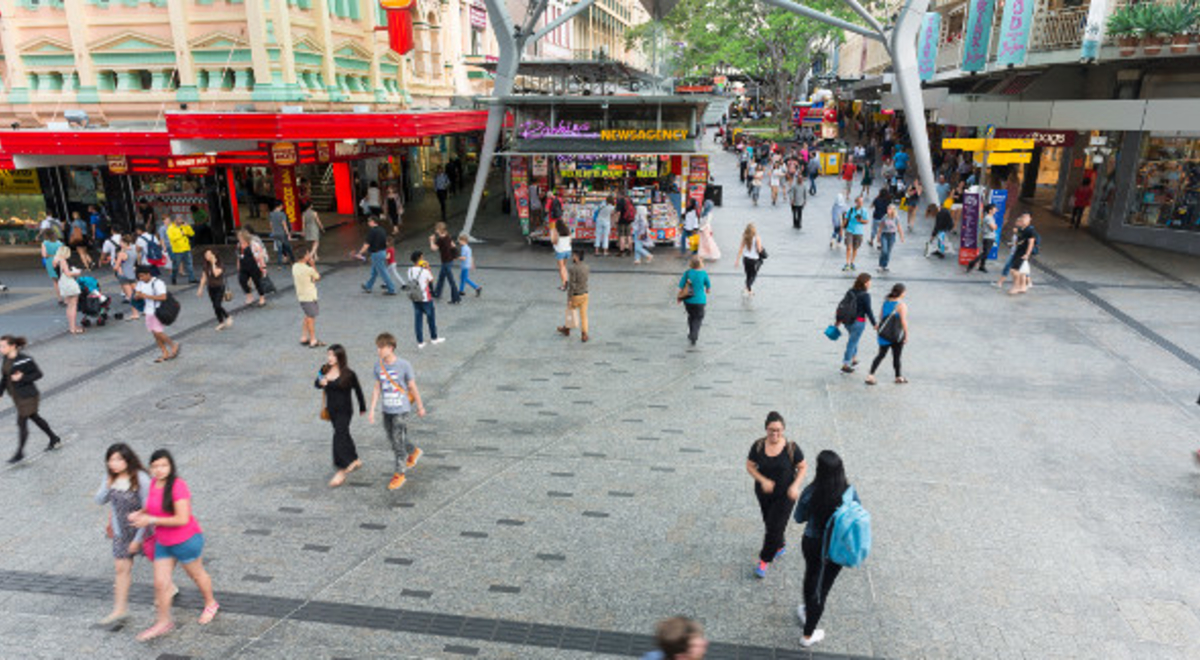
<point x="1168" y="184"/>
<point x="22" y="206"/>
<point x="173" y="194"/>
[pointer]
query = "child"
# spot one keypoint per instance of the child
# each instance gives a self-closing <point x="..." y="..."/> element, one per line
<point x="467" y="265"/>
<point x="393" y="269"/>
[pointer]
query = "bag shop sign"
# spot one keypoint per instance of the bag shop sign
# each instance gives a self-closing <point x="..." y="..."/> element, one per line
<point x="1041" y="138"/>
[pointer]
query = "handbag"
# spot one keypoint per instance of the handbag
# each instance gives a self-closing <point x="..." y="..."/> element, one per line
<point x="685" y="292"/>
<point x="762" y="254"/>
<point x="890" y="329"/>
<point x="167" y="310"/>
<point x="227" y="296"/>
<point x="268" y="287"/>
<point x="833" y="333"/>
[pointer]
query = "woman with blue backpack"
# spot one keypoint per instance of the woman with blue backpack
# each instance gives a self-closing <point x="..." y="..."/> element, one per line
<point x="836" y="535"/>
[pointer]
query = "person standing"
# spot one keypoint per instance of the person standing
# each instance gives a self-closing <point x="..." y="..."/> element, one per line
<point x="535" y="206"/>
<point x="68" y="287"/>
<point x="1027" y="240"/>
<point x="1083" y="199"/>
<point x="312" y="229"/>
<point x="854" y="225"/>
<point x="252" y="266"/>
<point x="80" y="239"/>
<point x="577" y="297"/>
<point x="396" y="384"/>
<point x="124" y="264"/>
<point x="696" y="281"/>
<point x="603" y="220"/>
<point x="893" y="314"/>
<point x="813" y="168"/>
<point x="153" y="291"/>
<point x="889" y="228"/>
<point x="987" y="235"/>
<point x="441" y="186"/>
<point x="179" y="238"/>
<point x="447" y="250"/>
<point x="691" y="225"/>
<point x="371" y="204"/>
<point x="707" y="248"/>
<point x="797" y="195"/>
<point x="125" y="487"/>
<point x="626" y="213"/>
<point x="560" y="238"/>
<point x="642" y="240"/>
<point x="823" y="497"/>
<point x="212" y="280"/>
<point x="838" y="215"/>
<point x="848" y="175"/>
<point x="178" y="539"/>
<point x="751" y="249"/>
<point x="912" y="201"/>
<point x="862" y="314"/>
<point x="777" y="466"/>
<point x="280" y="234"/>
<point x="466" y="259"/>
<point x="420" y="282"/>
<point x="50" y="246"/>
<point x="305" y="278"/>
<point x="18" y="373"/>
<point x="743" y="161"/>
<point x="394" y="208"/>
<point x="376" y="246"/>
<point x="338" y="381"/>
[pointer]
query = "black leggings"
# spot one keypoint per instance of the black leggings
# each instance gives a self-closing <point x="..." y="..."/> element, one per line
<point x="695" y="316"/>
<point x="751" y="266"/>
<point x="244" y="278"/>
<point x="23" y="430"/>
<point x="216" y="295"/>
<point x="776" y="510"/>
<point x="814" y="594"/>
<point x="896" y="350"/>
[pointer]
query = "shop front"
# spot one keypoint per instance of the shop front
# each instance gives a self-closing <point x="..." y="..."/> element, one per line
<point x="22" y="206"/>
<point x="1167" y="184"/>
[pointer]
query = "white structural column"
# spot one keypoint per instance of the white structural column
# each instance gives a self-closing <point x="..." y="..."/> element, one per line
<point x="77" y="25"/>
<point x="320" y="9"/>
<point x="177" y="14"/>
<point x="283" y="36"/>
<point x="9" y="38"/>
<point x="256" y="31"/>
<point x="903" y="49"/>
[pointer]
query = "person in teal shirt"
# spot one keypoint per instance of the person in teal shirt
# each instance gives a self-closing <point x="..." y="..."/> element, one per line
<point x="856" y="223"/>
<point x="697" y="278"/>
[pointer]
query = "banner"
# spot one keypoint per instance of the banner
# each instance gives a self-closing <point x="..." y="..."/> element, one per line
<point x="1093" y="30"/>
<point x="519" y="170"/>
<point x="1000" y="200"/>
<point x="979" y="34"/>
<point x="399" y="24"/>
<point x="927" y="45"/>
<point x="285" y="191"/>
<point x="968" y="231"/>
<point x="21" y="182"/>
<point x="1014" y="32"/>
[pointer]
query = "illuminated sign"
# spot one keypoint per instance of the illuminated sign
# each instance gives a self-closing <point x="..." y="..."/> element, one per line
<point x="534" y="129"/>
<point x="190" y="161"/>
<point x="118" y="164"/>
<point x="283" y="154"/>
<point x="638" y="135"/>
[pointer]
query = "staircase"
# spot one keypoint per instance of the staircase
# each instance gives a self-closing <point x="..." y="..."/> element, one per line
<point x="323" y="196"/>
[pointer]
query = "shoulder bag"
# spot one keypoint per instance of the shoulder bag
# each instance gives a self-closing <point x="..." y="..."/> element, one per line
<point x="890" y="329"/>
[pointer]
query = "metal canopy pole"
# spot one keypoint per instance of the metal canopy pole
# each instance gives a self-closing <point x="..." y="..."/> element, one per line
<point x="903" y="49"/>
<point x="797" y="8"/>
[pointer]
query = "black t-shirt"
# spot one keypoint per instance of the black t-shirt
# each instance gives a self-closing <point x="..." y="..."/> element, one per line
<point x="376" y="239"/>
<point x="943" y="222"/>
<point x="1024" y="237"/>
<point x="446" y="249"/>
<point x="881" y="205"/>
<point x="781" y="469"/>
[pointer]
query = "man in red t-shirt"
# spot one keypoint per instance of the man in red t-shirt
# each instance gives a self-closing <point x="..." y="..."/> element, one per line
<point x="1083" y="199"/>
<point x="848" y="174"/>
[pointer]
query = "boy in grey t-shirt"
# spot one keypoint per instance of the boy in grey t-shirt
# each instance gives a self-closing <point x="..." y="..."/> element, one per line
<point x="395" y="383"/>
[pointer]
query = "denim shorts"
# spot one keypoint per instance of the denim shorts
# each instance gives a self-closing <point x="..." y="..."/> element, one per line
<point x="562" y="256"/>
<point x="184" y="553"/>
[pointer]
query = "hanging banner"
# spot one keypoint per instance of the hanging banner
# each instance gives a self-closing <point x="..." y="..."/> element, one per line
<point x="399" y="24"/>
<point x="519" y="170"/>
<point x="479" y="19"/>
<point x="927" y="45"/>
<point x="1000" y="201"/>
<point x="1014" y="32"/>
<point x="968" y="231"/>
<point x="1093" y="30"/>
<point x="979" y="34"/>
<point x="285" y="191"/>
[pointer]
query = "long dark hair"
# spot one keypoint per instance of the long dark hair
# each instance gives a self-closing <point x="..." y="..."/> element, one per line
<point x="133" y="465"/>
<point x="168" y="501"/>
<point x="828" y="486"/>
<point x="860" y="282"/>
<point x="19" y="342"/>
<point x="339" y="354"/>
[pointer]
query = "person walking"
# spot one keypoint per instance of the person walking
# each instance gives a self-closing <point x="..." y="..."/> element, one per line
<point x="707" y="247"/>
<point x="68" y="287"/>
<point x="153" y="292"/>
<point x="987" y="235"/>
<point x="751" y="249"/>
<point x="813" y="168"/>
<point x="1083" y="199"/>
<point x="694" y="287"/>
<point x="777" y="466"/>
<point x="371" y="204"/>
<point x="560" y="238"/>
<point x="691" y="226"/>
<point x="822" y="497"/>
<point x="466" y="260"/>
<point x="1026" y="243"/>
<point x="179" y="237"/>
<point x="756" y="182"/>
<point x="879" y="207"/>
<point x="848" y="175"/>
<point x="124" y="265"/>
<point x="838" y="216"/>
<point x="396" y="384"/>
<point x="854" y="328"/>
<point x="912" y="202"/>
<point x="312" y="229"/>
<point x="678" y="638"/>
<point x="577" y="297"/>
<point x="252" y="266"/>
<point x="867" y="179"/>
<point x="797" y="194"/>
<point x="18" y="373"/>
<point x="420" y="292"/>
<point x="943" y="222"/>
<point x="890" y="228"/>
<point x="447" y="250"/>
<point x="124" y="487"/>
<point x="854" y="225"/>
<point x="50" y="247"/>
<point x="337" y="380"/>
<point x="441" y="186"/>
<point x="305" y="278"/>
<point x="777" y="174"/>
<point x="394" y="207"/>
<point x="80" y="239"/>
<point x="376" y="246"/>
<point x="893" y="332"/>
<point x="280" y="234"/>
<point x="178" y="539"/>
<point x="602" y="219"/>
<point x="642" y="239"/>
<point x="212" y="280"/>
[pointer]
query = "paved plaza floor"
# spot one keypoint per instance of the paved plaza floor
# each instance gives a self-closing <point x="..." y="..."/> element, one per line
<point x="1033" y="490"/>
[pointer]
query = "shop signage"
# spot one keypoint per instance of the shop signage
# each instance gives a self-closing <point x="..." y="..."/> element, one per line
<point x="478" y="16"/>
<point x="20" y="182"/>
<point x="285" y="188"/>
<point x="534" y="129"/>
<point x="399" y="24"/>
<point x="539" y="166"/>
<point x="118" y="165"/>
<point x="927" y="45"/>
<point x="343" y="150"/>
<point x="979" y="34"/>
<point x="324" y="152"/>
<point x="1014" y="32"/>
<point x="693" y="89"/>
<point x="404" y="141"/>
<point x="632" y="135"/>
<point x="191" y="161"/>
<point x="1041" y="138"/>
<point x="283" y="154"/>
<point x="198" y="171"/>
<point x="1093" y="30"/>
<point x="968" y="235"/>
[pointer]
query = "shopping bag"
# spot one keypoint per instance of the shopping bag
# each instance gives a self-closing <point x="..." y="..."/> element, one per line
<point x="833" y="333"/>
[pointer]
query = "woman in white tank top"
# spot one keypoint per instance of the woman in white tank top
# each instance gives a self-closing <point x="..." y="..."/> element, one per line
<point x="751" y="249"/>
<point x="560" y="238"/>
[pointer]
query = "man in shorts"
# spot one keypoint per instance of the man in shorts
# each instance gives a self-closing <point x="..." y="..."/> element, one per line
<point x="153" y="291"/>
<point x="397" y="385"/>
<point x="305" y="277"/>
<point x="856" y="226"/>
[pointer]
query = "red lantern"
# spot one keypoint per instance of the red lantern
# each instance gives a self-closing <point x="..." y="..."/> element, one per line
<point x="399" y="24"/>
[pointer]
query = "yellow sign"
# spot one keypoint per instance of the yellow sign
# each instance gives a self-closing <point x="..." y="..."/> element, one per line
<point x="994" y="144"/>
<point x="635" y="135"/>
<point x="965" y="144"/>
<point x="19" y="182"/>
<point x="396" y="4"/>
<point x="118" y="164"/>
<point x="1004" y="158"/>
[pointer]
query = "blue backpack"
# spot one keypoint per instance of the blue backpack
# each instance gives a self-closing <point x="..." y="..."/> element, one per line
<point x="848" y="532"/>
<point x="154" y="251"/>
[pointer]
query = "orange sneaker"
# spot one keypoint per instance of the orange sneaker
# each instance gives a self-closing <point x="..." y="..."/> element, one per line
<point x="411" y="462"/>
<point x="397" y="482"/>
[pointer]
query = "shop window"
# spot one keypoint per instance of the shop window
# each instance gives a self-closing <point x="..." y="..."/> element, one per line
<point x="1167" y="193"/>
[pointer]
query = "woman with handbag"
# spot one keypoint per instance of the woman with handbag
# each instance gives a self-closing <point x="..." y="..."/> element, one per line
<point x="125" y="486"/>
<point x="252" y="266"/>
<point x="68" y="287"/>
<point x="777" y="466"/>
<point x="212" y="279"/>
<point x="693" y="293"/>
<point x="752" y="252"/>
<point x="893" y="332"/>
<point x="337" y="381"/>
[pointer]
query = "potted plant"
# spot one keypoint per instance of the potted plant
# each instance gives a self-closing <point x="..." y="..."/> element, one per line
<point x="1121" y="26"/>
<point x="1177" y="21"/>
<point x="1148" y="19"/>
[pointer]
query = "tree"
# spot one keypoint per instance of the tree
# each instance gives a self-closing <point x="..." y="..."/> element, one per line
<point x="772" y="46"/>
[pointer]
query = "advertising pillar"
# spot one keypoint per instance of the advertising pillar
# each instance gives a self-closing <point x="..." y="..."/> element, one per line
<point x="284" y="157"/>
<point x="1000" y="199"/>
<point x="968" y="232"/>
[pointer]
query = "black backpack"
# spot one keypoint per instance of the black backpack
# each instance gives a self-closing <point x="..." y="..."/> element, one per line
<point x="167" y="310"/>
<point x="847" y="310"/>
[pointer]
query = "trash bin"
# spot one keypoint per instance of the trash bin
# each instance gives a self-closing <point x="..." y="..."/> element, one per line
<point x="714" y="193"/>
<point x="831" y="162"/>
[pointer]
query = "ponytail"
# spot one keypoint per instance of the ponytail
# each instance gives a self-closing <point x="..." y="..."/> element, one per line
<point x="19" y="342"/>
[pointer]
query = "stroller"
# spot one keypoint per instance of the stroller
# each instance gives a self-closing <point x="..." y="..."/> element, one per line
<point x="93" y="304"/>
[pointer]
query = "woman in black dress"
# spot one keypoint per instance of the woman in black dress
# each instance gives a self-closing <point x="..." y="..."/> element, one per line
<point x="338" y="381"/>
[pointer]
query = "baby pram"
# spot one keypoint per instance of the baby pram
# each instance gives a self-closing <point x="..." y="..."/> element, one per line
<point x="93" y="304"/>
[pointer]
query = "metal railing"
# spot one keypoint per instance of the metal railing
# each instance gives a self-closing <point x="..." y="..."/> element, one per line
<point x="1058" y="29"/>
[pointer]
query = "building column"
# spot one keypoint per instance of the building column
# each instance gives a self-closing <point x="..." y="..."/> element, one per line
<point x="77" y="27"/>
<point x="162" y="80"/>
<point x="324" y="36"/>
<point x="10" y="36"/>
<point x="256" y="31"/>
<point x="177" y="13"/>
<point x="287" y="51"/>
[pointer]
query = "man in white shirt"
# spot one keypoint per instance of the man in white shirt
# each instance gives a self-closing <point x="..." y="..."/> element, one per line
<point x="153" y="291"/>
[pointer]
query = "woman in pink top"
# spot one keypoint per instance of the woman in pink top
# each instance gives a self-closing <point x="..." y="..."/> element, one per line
<point x="178" y="539"/>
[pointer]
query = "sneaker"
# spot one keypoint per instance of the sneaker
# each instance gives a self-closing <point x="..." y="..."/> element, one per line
<point x="412" y="459"/>
<point x="478" y="292"/>
<point x="438" y="340"/>
<point x="396" y="482"/>
<point x="782" y="551"/>
<point x="817" y="636"/>
<point x="846" y="369"/>
<point x="846" y="268"/>
<point x="760" y="571"/>
<point x="389" y="293"/>
<point x="55" y="443"/>
<point x="420" y="344"/>
<point x="365" y="289"/>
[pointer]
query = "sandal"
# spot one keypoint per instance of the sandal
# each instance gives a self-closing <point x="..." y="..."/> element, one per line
<point x="353" y="466"/>
<point x="317" y="345"/>
<point x="338" y="479"/>
<point x="901" y="380"/>
<point x="160" y="359"/>
<point x="870" y="380"/>
<point x="209" y="613"/>
<point x="157" y="630"/>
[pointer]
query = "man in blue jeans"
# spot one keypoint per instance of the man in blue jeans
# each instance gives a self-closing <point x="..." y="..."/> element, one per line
<point x="376" y="246"/>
